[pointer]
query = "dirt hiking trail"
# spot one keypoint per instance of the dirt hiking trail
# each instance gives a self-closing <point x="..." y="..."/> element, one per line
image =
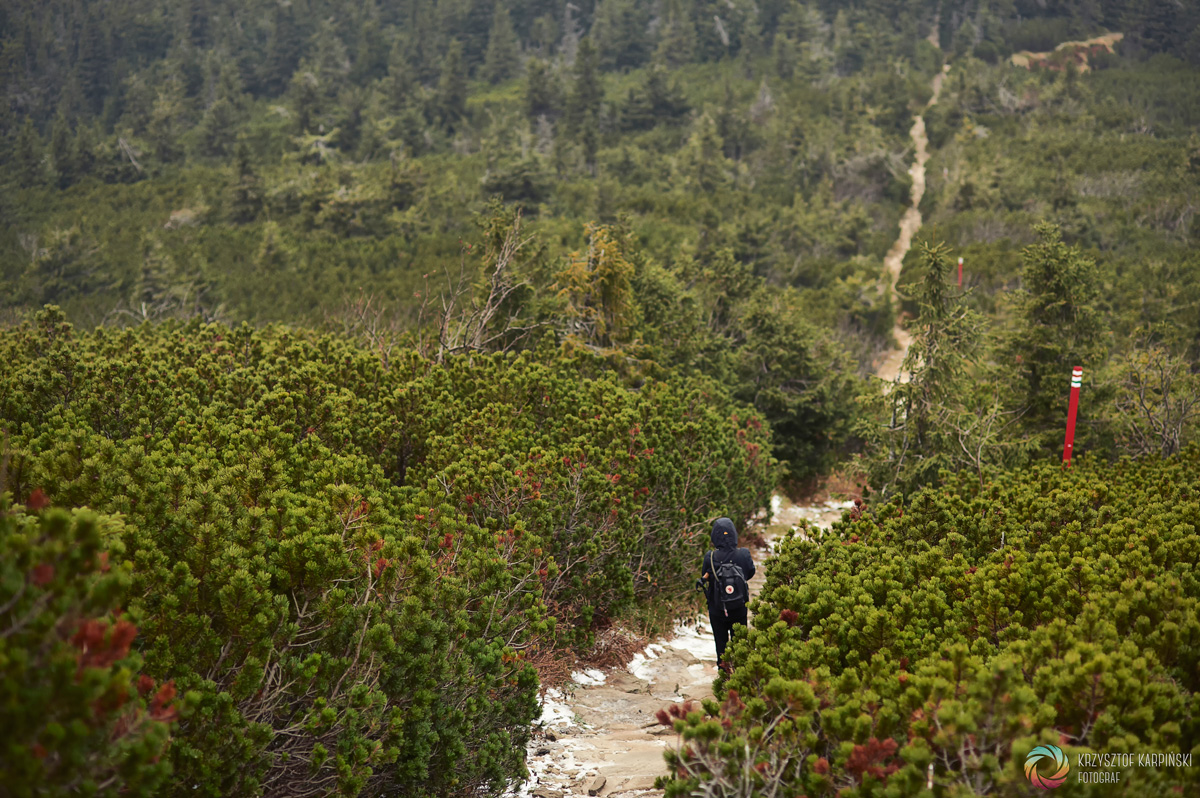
<point x="887" y="367"/>
<point x="599" y="736"/>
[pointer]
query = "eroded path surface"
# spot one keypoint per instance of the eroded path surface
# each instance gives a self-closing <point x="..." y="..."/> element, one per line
<point x="888" y="366"/>
<point x="1082" y="48"/>
<point x="601" y="738"/>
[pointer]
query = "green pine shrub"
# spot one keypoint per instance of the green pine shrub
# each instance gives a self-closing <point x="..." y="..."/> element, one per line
<point x="1047" y="605"/>
<point x="78" y="717"/>
<point x="348" y="566"/>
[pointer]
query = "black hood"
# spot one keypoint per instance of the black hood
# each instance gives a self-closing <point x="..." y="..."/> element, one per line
<point x="724" y="534"/>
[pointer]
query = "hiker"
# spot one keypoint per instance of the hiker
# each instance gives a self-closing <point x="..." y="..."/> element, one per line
<point x="726" y="570"/>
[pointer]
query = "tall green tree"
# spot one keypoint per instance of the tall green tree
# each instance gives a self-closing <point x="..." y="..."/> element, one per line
<point x="285" y="48"/>
<point x="503" y="59"/>
<point x="306" y="98"/>
<point x="92" y="64"/>
<point x="64" y="158"/>
<point x="168" y="120"/>
<point x="218" y="126"/>
<point x="587" y="92"/>
<point x="245" y="200"/>
<point x="797" y="377"/>
<point x="1058" y="325"/>
<point x="677" y="36"/>
<point x="543" y="91"/>
<point x="1155" y="26"/>
<point x="785" y="55"/>
<point x="920" y="419"/>
<point x="452" y="87"/>
<point x="27" y="157"/>
<point x="400" y="83"/>
<point x="619" y="30"/>
<point x="657" y="100"/>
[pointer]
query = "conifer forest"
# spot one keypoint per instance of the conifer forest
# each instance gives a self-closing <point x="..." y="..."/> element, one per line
<point x="369" y="369"/>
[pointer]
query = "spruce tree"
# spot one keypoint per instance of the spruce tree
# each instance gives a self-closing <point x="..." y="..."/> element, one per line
<point x="452" y="87"/>
<point x="1058" y="326"/>
<point x="285" y="46"/>
<point x="473" y="29"/>
<point x="246" y="198"/>
<point x="503" y="58"/>
<point x="330" y="59"/>
<point x="619" y="30"/>
<point x="1154" y="25"/>
<point x="677" y="41"/>
<point x="27" y="156"/>
<point x="63" y="158"/>
<point x="543" y="94"/>
<point x="920" y="434"/>
<point x="543" y="35"/>
<point x="86" y="138"/>
<point x="218" y="126"/>
<point x="167" y="121"/>
<point x="305" y="91"/>
<point x="400" y="82"/>
<point x="421" y="43"/>
<point x="785" y="56"/>
<point x="92" y="65"/>
<point x="655" y="101"/>
<point x="583" y="106"/>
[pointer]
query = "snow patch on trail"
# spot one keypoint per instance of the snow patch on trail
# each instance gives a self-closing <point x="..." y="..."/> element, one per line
<point x="555" y="710"/>
<point x="597" y="722"/>
<point x="639" y="666"/>
<point x="592" y="677"/>
<point x="814" y="512"/>
<point x="543" y="770"/>
<point x="696" y="639"/>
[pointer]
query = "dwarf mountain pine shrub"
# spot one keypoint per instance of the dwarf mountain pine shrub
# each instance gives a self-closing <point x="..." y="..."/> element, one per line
<point x="1047" y="605"/>
<point x="348" y="567"/>
<point x="78" y="717"/>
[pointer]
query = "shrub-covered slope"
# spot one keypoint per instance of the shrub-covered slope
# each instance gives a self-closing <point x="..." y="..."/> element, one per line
<point x="1047" y="605"/>
<point x="349" y="568"/>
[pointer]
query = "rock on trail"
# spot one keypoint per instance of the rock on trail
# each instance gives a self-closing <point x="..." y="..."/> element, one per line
<point x="601" y="737"/>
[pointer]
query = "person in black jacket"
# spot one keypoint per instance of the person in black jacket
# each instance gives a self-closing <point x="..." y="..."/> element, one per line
<point x="724" y="615"/>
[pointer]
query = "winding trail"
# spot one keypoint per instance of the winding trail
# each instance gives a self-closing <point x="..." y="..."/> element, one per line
<point x="603" y="734"/>
<point x="600" y="736"/>
<point x="887" y="367"/>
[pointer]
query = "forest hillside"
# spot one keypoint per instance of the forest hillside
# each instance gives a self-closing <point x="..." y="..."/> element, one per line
<point x="365" y="366"/>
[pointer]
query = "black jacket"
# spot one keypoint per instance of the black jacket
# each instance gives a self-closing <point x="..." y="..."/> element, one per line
<point x="724" y="540"/>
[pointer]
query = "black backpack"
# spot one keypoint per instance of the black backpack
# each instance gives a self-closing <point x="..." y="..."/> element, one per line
<point x="732" y="589"/>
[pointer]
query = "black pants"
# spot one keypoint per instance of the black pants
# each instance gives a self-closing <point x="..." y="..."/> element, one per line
<point x="723" y="624"/>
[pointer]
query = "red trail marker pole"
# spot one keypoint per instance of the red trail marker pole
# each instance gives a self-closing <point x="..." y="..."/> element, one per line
<point x="1069" y="443"/>
<point x="960" y="271"/>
